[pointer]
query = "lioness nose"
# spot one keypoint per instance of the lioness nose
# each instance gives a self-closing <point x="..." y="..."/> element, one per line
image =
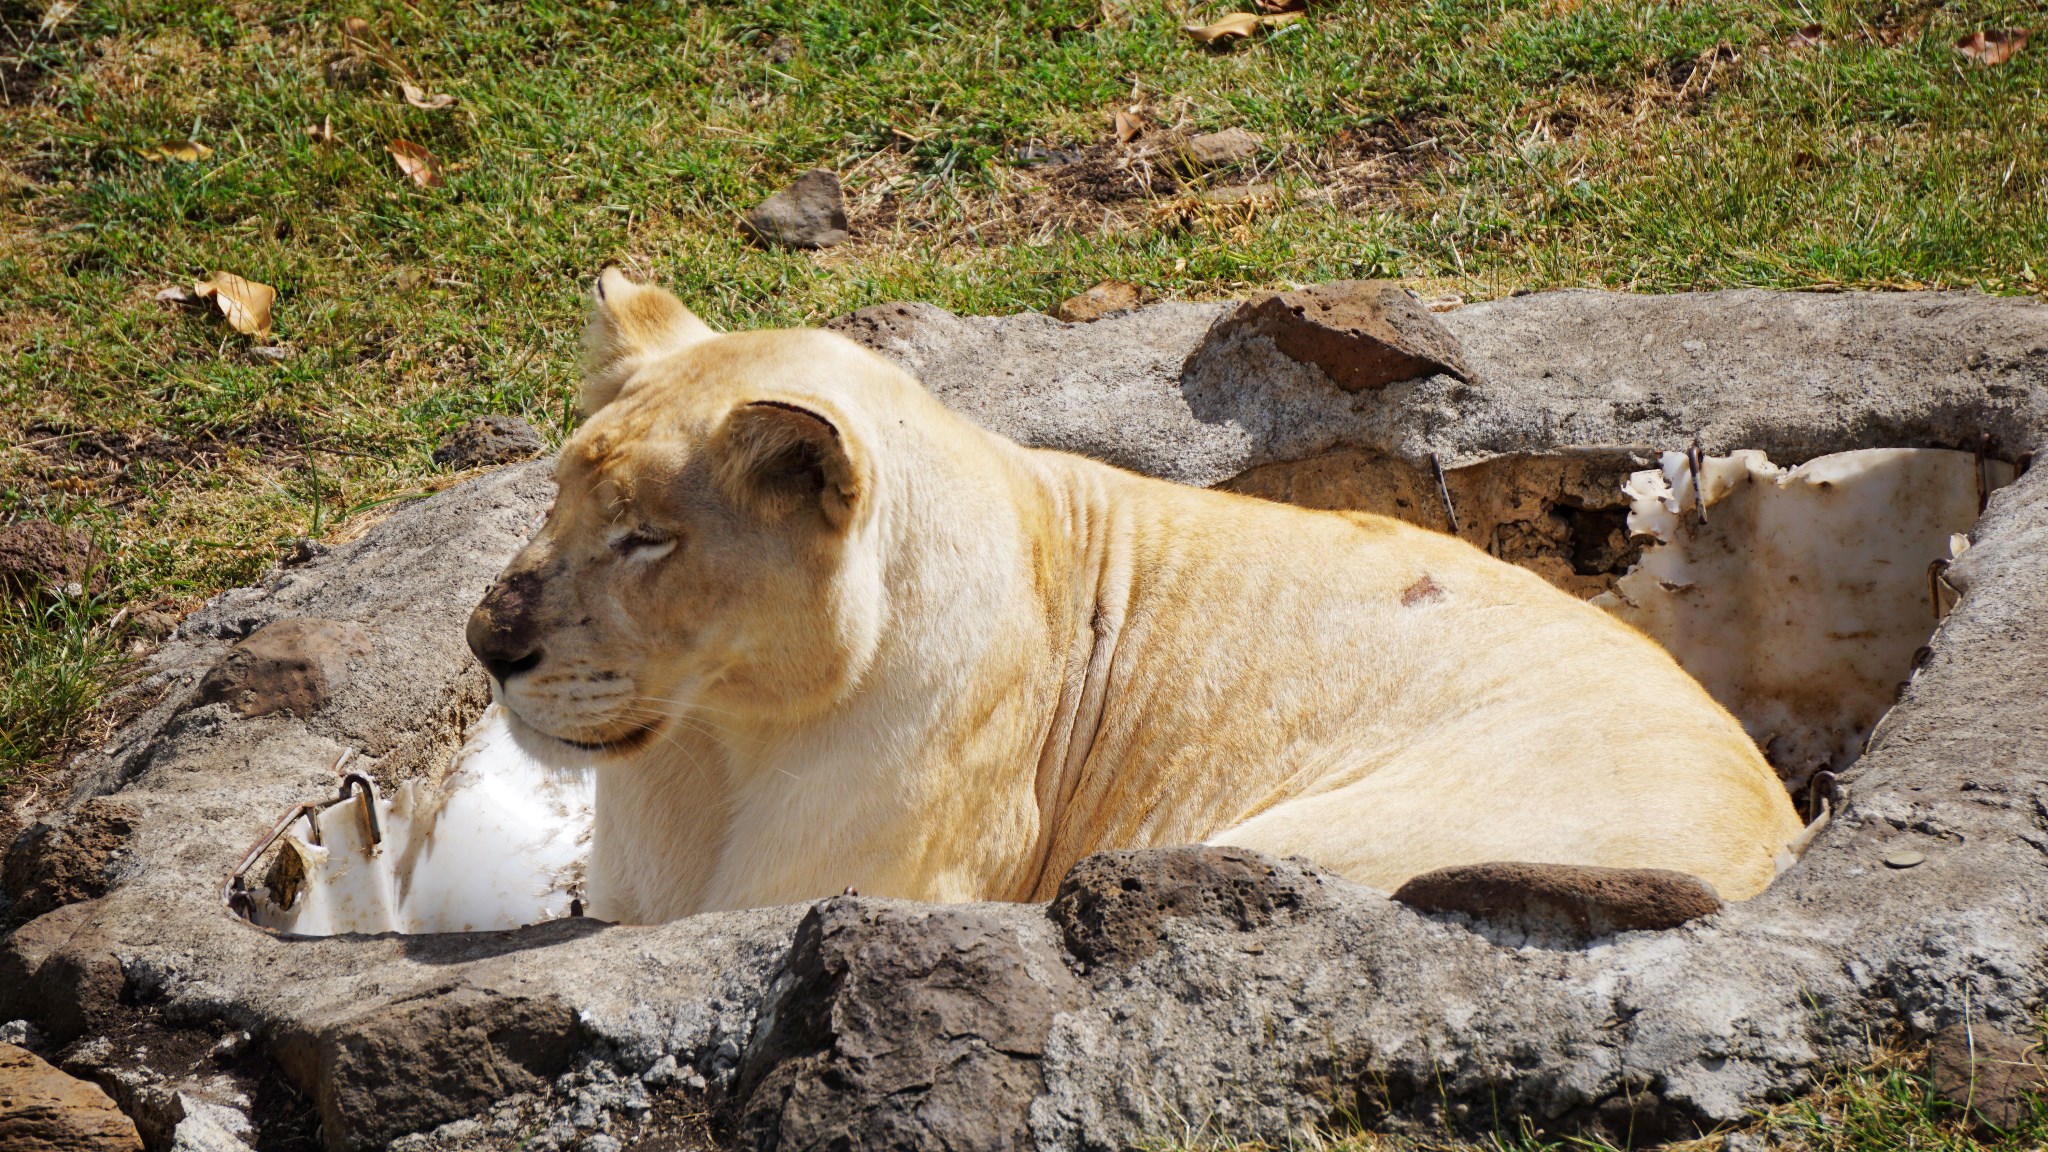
<point x="501" y="630"/>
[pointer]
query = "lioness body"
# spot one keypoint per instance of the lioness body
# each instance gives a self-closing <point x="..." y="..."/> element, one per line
<point x="855" y="640"/>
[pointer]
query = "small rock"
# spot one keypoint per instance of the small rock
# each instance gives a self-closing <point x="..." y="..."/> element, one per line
<point x="1570" y="901"/>
<point x="661" y="1073"/>
<point x="1039" y="156"/>
<point x="269" y="353"/>
<point x="21" y="1034"/>
<point x="68" y="860"/>
<point x="305" y="550"/>
<point x="153" y="623"/>
<point x="489" y="440"/>
<point x="1992" y="1073"/>
<point x="811" y="213"/>
<point x="600" y="1143"/>
<point x="38" y="556"/>
<point x="294" y="665"/>
<point x="1241" y="194"/>
<point x="44" y="1110"/>
<point x="1216" y="149"/>
<point x="1099" y="301"/>
<point x="1449" y="303"/>
<point x="1905" y="859"/>
<point x="1363" y="334"/>
<point x="1112" y="907"/>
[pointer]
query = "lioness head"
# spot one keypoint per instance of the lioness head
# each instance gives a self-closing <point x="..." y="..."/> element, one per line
<point x="704" y="560"/>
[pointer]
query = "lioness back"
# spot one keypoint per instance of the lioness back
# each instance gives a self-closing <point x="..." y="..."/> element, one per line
<point x="813" y="630"/>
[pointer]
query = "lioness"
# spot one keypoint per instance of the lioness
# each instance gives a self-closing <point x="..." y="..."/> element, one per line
<point x="814" y="631"/>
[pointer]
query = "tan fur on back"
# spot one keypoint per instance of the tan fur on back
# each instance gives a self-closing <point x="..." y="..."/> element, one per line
<point x="821" y="632"/>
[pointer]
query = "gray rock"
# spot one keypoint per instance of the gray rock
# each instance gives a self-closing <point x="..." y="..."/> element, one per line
<point x="810" y="213"/>
<point x="1362" y="333"/>
<point x="1563" y="901"/>
<point x="294" y="666"/>
<point x="903" y="1027"/>
<point x="1205" y="996"/>
<point x="487" y="441"/>
<point x="1215" y="149"/>
<point x="1990" y="1074"/>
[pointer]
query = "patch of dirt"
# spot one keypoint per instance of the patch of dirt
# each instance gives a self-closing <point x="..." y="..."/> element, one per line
<point x="103" y="462"/>
<point x="1375" y="162"/>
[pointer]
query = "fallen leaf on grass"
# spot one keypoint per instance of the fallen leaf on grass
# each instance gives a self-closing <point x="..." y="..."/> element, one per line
<point x="416" y="162"/>
<point x="183" y="151"/>
<point x="418" y="97"/>
<point x="1811" y="36"/>
<point x="1993" y="47"/>
<point x="1279" y="6"/>
<point x="1127" y="127"/>
<point x="1235" y="26"/>
<point x="245" y="303"/>
<point x="58" y="12"/>
<point x="323" y="132"/>
<point x="180" y="296"/>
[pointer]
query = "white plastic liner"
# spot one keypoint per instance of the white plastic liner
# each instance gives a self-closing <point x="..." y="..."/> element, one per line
<point x="1801" y="602"/>
<point x="502" y="842"/>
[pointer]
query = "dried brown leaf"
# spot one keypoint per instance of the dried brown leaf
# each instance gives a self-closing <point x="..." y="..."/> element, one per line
<point x="183" y="151"/>
<point x="58" y="12"/>
<point x="416" y="162"/>
<point x="1811" y="36"/>
<point x="1990" y="48"/>
<point x="245" y="303"/>
<point x="1127" y="128"/>
<point x="418" y="97"/>
<point x="357" y="29"/>
<point x="1272" y="7"/>
<point x="1235" y="26"/>
<point x="323" y="132"/>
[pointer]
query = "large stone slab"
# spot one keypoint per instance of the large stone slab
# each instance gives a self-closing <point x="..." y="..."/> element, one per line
<point x="1245" y="994"/>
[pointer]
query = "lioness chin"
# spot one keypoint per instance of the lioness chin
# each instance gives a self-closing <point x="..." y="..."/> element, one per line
<point x="815" y="631"/>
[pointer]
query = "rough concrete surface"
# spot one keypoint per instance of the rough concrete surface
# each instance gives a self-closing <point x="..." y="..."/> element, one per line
<point x="1163" y="993"/>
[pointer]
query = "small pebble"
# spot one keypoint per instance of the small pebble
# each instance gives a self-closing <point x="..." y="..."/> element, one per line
<point x="1905" y="859"/>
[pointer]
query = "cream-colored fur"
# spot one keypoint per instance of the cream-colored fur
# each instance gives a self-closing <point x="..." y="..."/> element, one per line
<point x="821" y="632"/>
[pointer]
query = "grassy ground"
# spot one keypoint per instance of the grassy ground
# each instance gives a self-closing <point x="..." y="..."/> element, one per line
<point x="1474" y="147"/>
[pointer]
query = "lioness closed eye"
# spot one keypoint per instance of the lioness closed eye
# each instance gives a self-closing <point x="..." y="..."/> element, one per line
<point x="815" y="630"/>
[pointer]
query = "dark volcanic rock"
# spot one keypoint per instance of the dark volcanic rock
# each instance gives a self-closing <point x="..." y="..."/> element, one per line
<point x="295" y="665"/>
<point x="64" y="860"/>
<point x="420" y="1062"/>
<point x="44" y="1110"/>
<point x="811" y="213"/>
<point x="1563" y="900"/>
<point x="1363" y="334"/>
<point x="902" y="1027"/>
<point x="1113" y="907"/>
<point x="38" y="556"/>
<point x="1993" y="1074"/>
<point x="489" y="440"/>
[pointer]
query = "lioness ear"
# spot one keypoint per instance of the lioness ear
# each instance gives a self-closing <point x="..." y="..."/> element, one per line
<point x="779" y="459"/>
<point x="629" y="324"/>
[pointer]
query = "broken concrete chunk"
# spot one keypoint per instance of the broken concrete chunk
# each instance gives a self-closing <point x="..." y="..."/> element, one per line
<point x="37" y="556"/>
<point x="903" y="1027"/>
<point x="1112" y="907"/>
<point x="44" y="1110"/>
<point x="1099" y="301"/>
<point x="810" y="213"/>
<point x="68" y="859"/>
<point x="1362" y="333"/>
<point x="1215" y="149"/>
<point x="1563" y="901"/>
<point x="1993" y="1074"/>
<point x="294" y="665"/>
<point x="489" y="440"/>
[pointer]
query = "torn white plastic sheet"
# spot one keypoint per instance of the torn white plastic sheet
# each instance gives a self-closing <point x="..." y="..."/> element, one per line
<point x="500" y="843"/>
<point x="1802" y="599"/>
